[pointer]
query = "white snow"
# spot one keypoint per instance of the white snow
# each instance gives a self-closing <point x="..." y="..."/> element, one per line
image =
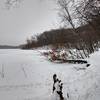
<point x="27" y="75"/>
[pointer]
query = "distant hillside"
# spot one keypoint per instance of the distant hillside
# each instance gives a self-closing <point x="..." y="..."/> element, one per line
<point x="84" y="35"/>
<point x="8" y="47"/>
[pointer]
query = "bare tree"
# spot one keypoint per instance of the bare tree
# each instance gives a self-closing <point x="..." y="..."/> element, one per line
<point x="65" y="12"/>
<point x="88" y="12"/>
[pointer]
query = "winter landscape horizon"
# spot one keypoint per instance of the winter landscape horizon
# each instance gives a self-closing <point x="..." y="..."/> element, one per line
<point x="49" y="49"/>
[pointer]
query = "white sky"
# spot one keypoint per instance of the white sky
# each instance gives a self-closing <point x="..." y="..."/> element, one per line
<point x="31" y="17"/>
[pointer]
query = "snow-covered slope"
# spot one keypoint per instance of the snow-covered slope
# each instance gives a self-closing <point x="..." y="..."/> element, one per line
<point x="27" y="75"/>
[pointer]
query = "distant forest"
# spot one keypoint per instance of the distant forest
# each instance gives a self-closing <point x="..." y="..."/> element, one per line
<point x="8" y="47"/>
<point x="65" y="37"/>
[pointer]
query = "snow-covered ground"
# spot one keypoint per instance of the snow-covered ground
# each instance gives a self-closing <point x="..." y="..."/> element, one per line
<point x="27" y="75"/>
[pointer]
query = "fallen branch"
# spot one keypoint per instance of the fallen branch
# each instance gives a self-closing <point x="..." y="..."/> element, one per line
<point x="72" y="61"/>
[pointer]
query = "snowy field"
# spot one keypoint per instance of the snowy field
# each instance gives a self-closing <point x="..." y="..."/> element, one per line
<point x="27" y="75"/>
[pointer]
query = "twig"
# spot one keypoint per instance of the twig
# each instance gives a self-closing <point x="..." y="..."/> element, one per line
<point x="25" y="74"/>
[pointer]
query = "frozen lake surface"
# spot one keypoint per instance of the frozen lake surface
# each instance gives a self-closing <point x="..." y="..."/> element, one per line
<point x="27" y="75"/>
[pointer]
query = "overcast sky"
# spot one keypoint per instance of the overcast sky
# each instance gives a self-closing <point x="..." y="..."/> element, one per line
<point x="29" y="18"/>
